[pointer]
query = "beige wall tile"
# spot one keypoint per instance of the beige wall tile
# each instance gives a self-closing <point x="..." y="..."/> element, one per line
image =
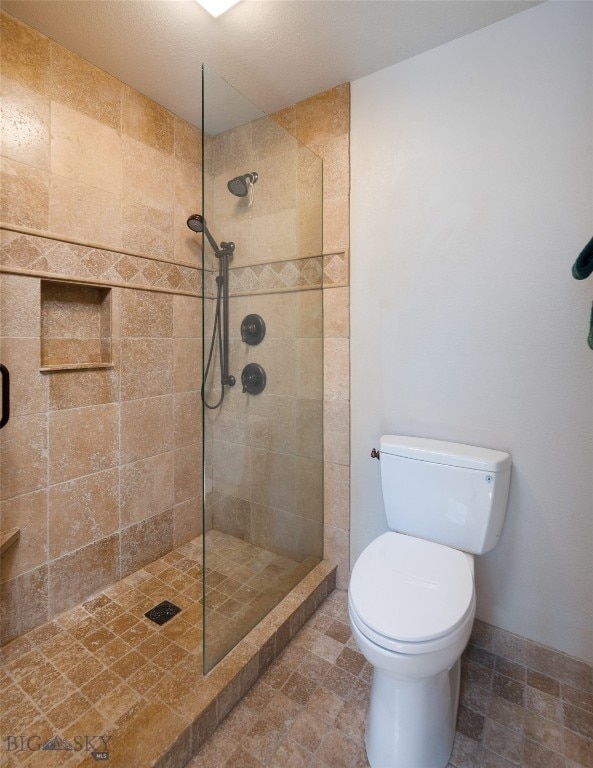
<point x="231" y="515"/>
<point x="187" y="364"/>
<point x="145" y="313"/>
<point x="278" y="358"/>
<point x="188" y="200"/>
<point x="323" y="116"/>
<point x="28" y="387"/>
<point x="336" y="235"/>
<point x="272" y="423"/>
<point x="336" y="431"/>
<point x="83" y="441"/>
<point x="232" y="152"/>
<point x="231" y="422"/>
<point x="309" y="368"/>
<point x="146" y="428"/>
<point x="309" y="224"/>
<point x="309" y="488"/>
<point x="273" y="480"/>
<point x="336" y="549"/>
<point x="309" y="314"/>
<point x="81" y="86"/>
<point x="74" y="389"/>
<point x="336" y="369"/>
<point x="85" y="150"/>
<point x="336" y="312"/>
<point x="187" y="317"/>
<point x="273" y="237"/>
<point x="285" y="533"/>
<point x="286" y="118"/>
<point x="148" y="175"/>
<point x="188" y="142"/>
<point x="29" y="513"/>
<point x="147" y="488"/>
<point x="82" y="511"/>
<point x="19" y="306"/>
<point x="146" y="121"/>
<point x="337" y="496"/>
<point x="24" y="54"/>
<point x="146" y="541"/>
<point x="75" y="576"/>
<point x="231" y="468"/>
<point x="146" y="229"/>
<point x="188" y="472"/>
<point x="146" y="367"/>
<point x="335" y="152"/>
<point x="187" y="521"/>
<point x="309" y="430"/>
<point x="25" y="120"/>
<point x="276" y="186"/>
<point x="87" y="213"/>
<point x="269" y="137"/>
<point x="188" y="418"/>
<point x="277" y="310"/>
<point x="23" y="444"/>
<point x="18" y="616"/>
<point x="24" y="195"/>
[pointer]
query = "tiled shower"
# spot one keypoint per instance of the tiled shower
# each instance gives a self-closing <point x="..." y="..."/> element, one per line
<point x="105" y="310"/>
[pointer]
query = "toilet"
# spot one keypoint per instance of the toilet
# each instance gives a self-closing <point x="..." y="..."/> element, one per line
<point x="412" y="597"/>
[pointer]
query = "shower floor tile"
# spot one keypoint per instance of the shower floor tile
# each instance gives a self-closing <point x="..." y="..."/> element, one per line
<point x="98" y="666"/>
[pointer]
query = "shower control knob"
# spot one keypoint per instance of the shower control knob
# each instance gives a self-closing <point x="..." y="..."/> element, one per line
<point x="253" y="330"/>
<point x="253" y="379"/>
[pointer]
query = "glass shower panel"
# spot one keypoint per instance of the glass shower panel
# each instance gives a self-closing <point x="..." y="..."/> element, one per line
<point x="263" y="463"/>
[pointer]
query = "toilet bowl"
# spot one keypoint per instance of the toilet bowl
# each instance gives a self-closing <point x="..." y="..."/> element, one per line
<point x="411" y="604"/>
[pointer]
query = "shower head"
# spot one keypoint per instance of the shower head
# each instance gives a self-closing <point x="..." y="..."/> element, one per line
<point x="239" y="186"/>
<point x="196" y="223"/>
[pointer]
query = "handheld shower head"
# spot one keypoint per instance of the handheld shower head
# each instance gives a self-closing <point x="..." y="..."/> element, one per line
<point x="240" y="185"/>
<point x="196" y="223"/>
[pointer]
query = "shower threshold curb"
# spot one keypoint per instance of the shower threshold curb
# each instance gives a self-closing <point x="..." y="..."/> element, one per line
<point x="171" y="743"/>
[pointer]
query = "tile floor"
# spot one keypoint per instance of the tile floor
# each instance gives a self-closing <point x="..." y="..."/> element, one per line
<point x="99" y="665"/>
<point x="521" y="705"/>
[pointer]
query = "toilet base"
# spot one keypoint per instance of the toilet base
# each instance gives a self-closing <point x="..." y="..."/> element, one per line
<point x="411" y="722"/>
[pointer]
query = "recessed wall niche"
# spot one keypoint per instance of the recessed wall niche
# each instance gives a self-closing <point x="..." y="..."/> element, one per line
<point x="75" y="326"/>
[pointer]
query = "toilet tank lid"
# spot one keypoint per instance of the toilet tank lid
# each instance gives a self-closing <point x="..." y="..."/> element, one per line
<point x="443" y="452"/>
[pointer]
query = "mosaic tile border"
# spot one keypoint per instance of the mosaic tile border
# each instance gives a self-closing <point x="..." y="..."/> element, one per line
<point x="307" y="273"/>
<point x="25" y="253"/>
<point x="45" y="256"/>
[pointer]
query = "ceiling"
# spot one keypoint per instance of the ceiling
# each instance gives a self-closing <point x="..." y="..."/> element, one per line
<point x="275" y="52"/>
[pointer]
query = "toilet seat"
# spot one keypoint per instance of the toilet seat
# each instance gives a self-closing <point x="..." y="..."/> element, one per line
<point x="411" y="595"/>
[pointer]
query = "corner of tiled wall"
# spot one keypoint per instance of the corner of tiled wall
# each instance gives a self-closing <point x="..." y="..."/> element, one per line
<point x="323" y="124"/>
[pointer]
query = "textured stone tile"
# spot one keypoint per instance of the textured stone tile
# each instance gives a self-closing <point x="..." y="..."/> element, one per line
<point x="83" y="441"/>
<point x="536" y="756"/>
<point x="502" y="741"/>
<point x="470" y="723"/>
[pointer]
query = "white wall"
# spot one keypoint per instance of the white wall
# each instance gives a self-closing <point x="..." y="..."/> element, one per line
<point x="472" y="192"/>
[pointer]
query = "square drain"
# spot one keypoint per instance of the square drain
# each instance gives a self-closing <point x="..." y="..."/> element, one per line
<point x="162" y="612"/>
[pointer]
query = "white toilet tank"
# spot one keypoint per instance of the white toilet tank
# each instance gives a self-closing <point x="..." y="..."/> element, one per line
<point x="450" y="493"/>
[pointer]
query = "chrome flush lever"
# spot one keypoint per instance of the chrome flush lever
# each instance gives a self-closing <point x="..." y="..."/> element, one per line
<point x="375" y="454"/>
